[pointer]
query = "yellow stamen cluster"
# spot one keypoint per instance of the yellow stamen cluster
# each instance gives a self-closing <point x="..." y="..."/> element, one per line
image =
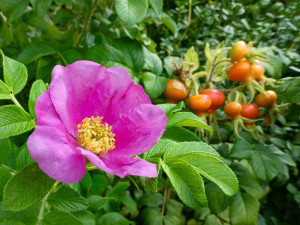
<point x="94" y="136"/>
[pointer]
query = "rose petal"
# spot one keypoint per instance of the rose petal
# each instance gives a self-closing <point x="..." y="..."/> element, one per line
<point x="137" y="130"/>
<point x="124" y="95"/>
<point x="78" y="91"/>
<point x="135" y="166"/>
<point x="56" y="154"/>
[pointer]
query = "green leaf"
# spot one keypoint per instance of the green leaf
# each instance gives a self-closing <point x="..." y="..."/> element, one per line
<point x="114" y="218"/>
<point x="25" y="188"/>
<point x="210" y="57"/>
<point x="38" y="87"/>
<point x="244" y="210"/>
<point x="217" y="200"/>
<point x="118" y="189"/>
<point x="151" y="216"/>
<point x="98" y="184"/>
<point x="41" y="6"/>
<point x="154" y="85"/>
<point x="292" y="94"/>
<point x="169" y="23"/>
<point x="14" y="121"/>
<point x="67" y="200"/>
<point x="157" y="5"/>
<point x="5" y="175"/>
<point x="242" y="149"/>
<point x="15" y="74"/>
<point x="264" y="165"/>
<point x="274" y="68"/>
<point x="105" y="54"/>
<point x="6" y="147"/>
<point x="4" y="91"/>
<point x="180" y="134"/>
<point x="86" y="217"/>
<point x="130" y="204"/>
<point x="169" y="67"/>
<point x="13" y="9"/>
<point x="182" y="148"/>
<point x="132" y="52"/>
<point x="191" y="57"/>
<point x="10" y="222"/>
<point x="212" y="220"/>
<point x="187" y="119"/>
<point x="186" y="181"/>
<point x="151" y="199"/>
<point x="59" y="218"/>
<point x="213" y="168"/>
<point x="251" y="185"/>
<point x="159" y="149"/>
<point x="152" y="62"/>
<point x="169" y="109"/>
<point x="24" y="159"/>
<point x="131" y="11"/>
<point x="34" y="52"/>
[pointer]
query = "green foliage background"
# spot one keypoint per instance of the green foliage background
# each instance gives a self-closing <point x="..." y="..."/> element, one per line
<point x="135" y="34"/>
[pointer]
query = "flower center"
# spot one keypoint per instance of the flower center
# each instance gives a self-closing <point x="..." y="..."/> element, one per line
<point x="95" y="136"/>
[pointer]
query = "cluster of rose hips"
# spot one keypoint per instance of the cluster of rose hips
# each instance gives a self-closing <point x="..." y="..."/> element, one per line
<point x="244" y="68"/>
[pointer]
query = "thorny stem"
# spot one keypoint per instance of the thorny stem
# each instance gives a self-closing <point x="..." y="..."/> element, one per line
<point x="87" y="22"/>
<point x="165" y="197"/>
<point x="13" y="98"/>
<point x="44" y="201"/>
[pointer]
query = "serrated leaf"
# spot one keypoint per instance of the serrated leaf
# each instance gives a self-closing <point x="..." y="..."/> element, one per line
<point x="38" y="87"/>
<point x="182" y="148"/>
<point x="36" y="51"/>
<point x="264" y="165"/>
<point x="152" y="62"/>
<point x="180" y="134"/>
<point x="86" y="217"/>
<point x="114" y="218"/>
<point x="187" y="119"/>
<point x="15" y="74"/>
<point x="4" y="91"/>
<point x="186" y="181"/>
<point x="23" y="159"/>
<point x="5" y="146"/>
<point x="159" y="149"/>
<point x="130" y="204"/>
<point x="157" y="5"/>
<point x="217" y="200"/>
<point x="292" y="94"/>
<point x="59" y="218"/>
<point x="154" y="85"/>
<point x="213" y="168"/>
<point x="169" y="23"/>
<point x="132" y="52"/>
<point x="98" y="184"/>
<point x="151" y="199"/>
<point x="67" y="200"/>
<point x="244" y="210"/>
<point x="14" y="121"/>
<point x="212" y="220"/>
<point x="118" y="189"/>
<point x="25" y="188"/>
<point x="131" y="11"/>
<point x="191" y="57"/>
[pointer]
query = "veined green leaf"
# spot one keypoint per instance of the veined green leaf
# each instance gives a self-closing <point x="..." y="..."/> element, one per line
<point x="187" y="119"/>
<point x="4" y="91"/>
<point x="25" y="188"/>
<point x="38" y="87"/>
<point x="191" y="57"/>
<point x="14" y="121"/>
<point x="131" y="11"/>
<point x="157" y="5"/>
<point x="15" y="74"/>
<point x="187" y="182"/>
<point x="59" y="218"/>
<point x="154" y="85"/>
<point x="244" y="210"/>
<point x="159" y="149"/>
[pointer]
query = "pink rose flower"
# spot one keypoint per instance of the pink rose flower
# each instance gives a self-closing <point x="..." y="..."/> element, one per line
<point x="94" y="113"/>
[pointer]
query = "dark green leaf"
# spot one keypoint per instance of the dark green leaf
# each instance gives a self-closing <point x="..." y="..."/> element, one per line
<point x="244" y="210"/>
<point x="23" y="159"/>
<point x="131" y="11"/>
<point x="180" y="134"/>
<point x="157" y="5"/>
<point x="154" y="85"/>
<point x="152" y="62"/>
<point x="38" y="87"/>
<point x="67" y="200"/>
<point x="4" y="177"/>
<point x="13" y="9"/>
<point x="86" y="217"/>
<point x="5" y="146"/>
<point x="41" y="6"/>
<point x="242" y="149"/>
<point x="113" y="218"/>
<point x="59" y="218"/>
<point x="4" y="91"/>
<point x="25" y="188"/>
